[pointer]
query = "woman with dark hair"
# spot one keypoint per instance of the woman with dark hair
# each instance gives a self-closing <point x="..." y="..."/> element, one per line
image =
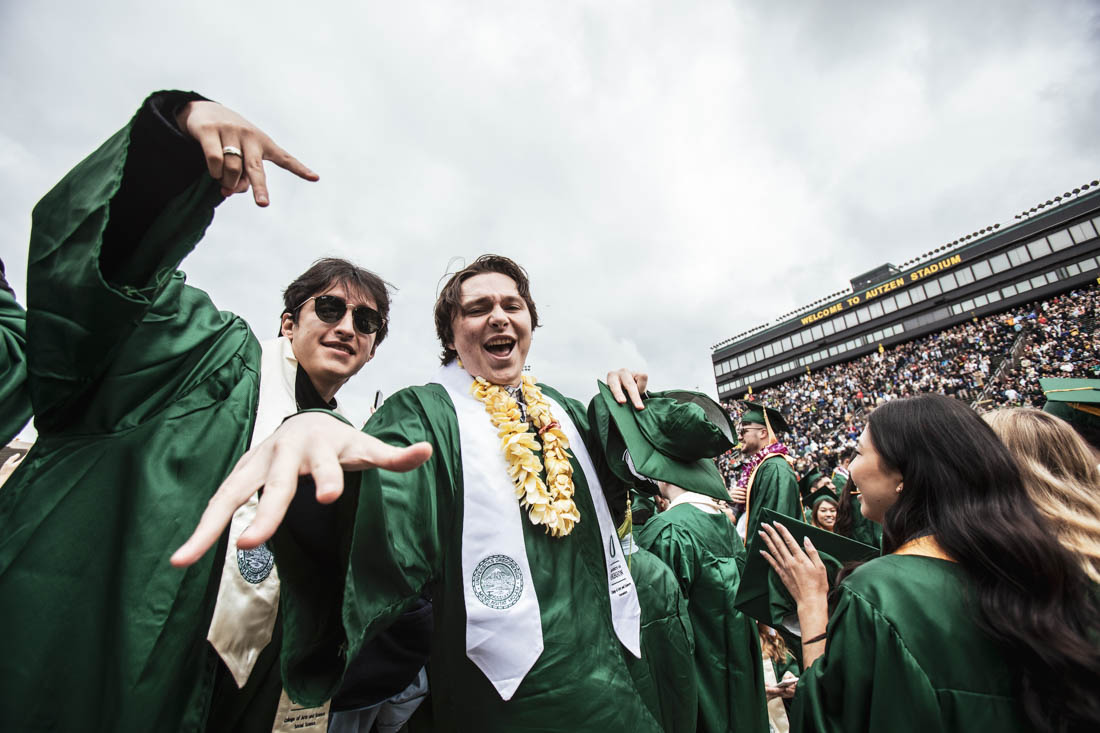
<point x="975" y="618"/>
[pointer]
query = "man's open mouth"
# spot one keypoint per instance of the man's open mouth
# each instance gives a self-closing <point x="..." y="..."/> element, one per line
<point x="500" y="346"/>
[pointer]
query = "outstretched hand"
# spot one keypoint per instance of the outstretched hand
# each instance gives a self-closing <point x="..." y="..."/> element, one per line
<point x="625" y="384"/>
<point x="216" y="128"/>
<point x="312" y="443"/>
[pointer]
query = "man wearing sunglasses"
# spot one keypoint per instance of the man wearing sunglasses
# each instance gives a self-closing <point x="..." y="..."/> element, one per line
<point x="145" y="396"/>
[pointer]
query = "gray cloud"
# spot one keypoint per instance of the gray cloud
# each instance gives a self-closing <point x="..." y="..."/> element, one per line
<point x="670" y="174"/>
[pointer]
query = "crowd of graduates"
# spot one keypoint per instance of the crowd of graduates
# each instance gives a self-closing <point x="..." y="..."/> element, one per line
<point x="199" y="539"/>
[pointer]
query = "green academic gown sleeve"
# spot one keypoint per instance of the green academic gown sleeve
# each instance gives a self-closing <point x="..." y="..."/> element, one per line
<point x="15" y="402"/>
<point x="665" y="675"/>
<point x="144" y="396"/>
<point x="865" y="681"/>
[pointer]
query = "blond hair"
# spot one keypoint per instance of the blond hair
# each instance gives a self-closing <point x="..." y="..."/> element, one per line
<point x="1060" y="474"/>
<point x="772" y="644"/>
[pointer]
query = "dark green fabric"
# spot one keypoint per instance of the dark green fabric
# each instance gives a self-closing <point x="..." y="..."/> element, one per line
<point x="863" y="529"/>
<point x="773" y="487"/>
<point x="15" y="402"/>
<point x="405" y="538"/>
<point x="789" y="664"/>
<point x="703" y="552"/>
<point x="665" y="675"/>
<point x="905" y="654"/>
<point x="144" y="396"/>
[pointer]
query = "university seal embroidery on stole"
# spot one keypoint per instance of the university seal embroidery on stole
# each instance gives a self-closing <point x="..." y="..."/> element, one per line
<point x="497" y="582"/>
<point x="255" y="564"/>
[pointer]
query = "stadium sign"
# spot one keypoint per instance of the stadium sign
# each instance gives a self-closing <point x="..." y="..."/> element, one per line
<point x="926" y="271"/>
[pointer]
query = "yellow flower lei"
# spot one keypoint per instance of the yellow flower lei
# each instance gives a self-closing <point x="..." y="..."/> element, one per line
<point x="552" y="507"/>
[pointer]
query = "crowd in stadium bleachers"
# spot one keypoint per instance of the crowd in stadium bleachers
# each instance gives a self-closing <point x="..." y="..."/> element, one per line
<point x="826" y="409"/>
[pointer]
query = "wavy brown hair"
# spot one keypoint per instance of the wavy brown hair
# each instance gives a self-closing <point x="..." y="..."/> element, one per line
<point x="1059" y="474"/>
<point x="963" y="487"/>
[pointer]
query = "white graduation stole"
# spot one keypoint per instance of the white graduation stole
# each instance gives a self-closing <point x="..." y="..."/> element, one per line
<point x="503" y="622"/>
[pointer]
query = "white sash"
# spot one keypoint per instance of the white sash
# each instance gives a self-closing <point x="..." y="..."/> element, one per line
<point x="503" y="622"/>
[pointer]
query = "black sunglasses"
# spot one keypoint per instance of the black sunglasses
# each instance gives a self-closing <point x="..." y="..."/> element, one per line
<point x="331" y="308"/>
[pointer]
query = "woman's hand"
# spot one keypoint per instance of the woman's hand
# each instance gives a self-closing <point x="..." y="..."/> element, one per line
<point x="802" y="572"/>
<point x="312" y="443"/>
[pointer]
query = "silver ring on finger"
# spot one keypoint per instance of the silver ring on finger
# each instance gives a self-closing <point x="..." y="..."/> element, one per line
<point x="230" y="150"/>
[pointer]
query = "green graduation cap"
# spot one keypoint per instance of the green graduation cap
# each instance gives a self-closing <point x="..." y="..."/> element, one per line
<point x="806" y="483"/>
<point x="674" y="439"/>
<point x="754" y="413"/>
<point x="825" y="492"/>
<point x="1077" y="401"/>
<point x="762" y="595"/>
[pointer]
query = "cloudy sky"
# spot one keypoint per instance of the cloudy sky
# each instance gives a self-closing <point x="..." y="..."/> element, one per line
<point x="669" y="173"/>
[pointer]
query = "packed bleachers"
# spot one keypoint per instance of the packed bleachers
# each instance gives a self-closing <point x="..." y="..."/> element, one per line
<point x="826" y="409"/>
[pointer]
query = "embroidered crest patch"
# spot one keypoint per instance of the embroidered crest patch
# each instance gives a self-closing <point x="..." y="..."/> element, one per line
<point x="255" y="564"/>
<point x="497" y="582"/>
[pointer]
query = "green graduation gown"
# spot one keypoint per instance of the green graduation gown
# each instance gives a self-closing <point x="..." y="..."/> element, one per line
<point x="15" y="403"/>
<point x="703" y="551"/>
<point x="665" y="674"/>
<point x="775" y="487"/>
<point x="404" y="537"/>
<point x="144" y="396"/>
<point x="895" y="662"/>
<point x="863" y="529"/>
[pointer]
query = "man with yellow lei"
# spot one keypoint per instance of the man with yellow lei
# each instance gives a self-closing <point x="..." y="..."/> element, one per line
<point x="506" y="526"/>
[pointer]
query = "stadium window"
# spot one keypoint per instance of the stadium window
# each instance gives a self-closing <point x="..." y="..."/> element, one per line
<point x="957" y="308"/>
<point x="898" y="328"/>
<point x="853" y="344"/>
<point x="968" y="304"/>
<point x="828" y="328"/>
<point x="964" y="276"/>
<point x="850" y="320"/>
<point x="1090" y="264"/>
<point x="875" y="309"/>
<point x="1040" y="247"/>
<point x="833" y="351"/>
<point x="1060" y="240"/>
<point x="1008" y="290"/>
<point x="993" y="295"/>
<point x="767" y="351"/>
<point x="1073" y="269"/>
<point x="1038" y="281"/>
<point x="741" y="361"/>
<point x="1052" y="277"/>
<point x="917" y="294"/>
<point x="889" y="305"/>
<point x="1000" y="263"/>
<point x="1082" y="232"/>
<point x="903" y="299"/>
<point x="932" y="287"/>
<point x="785" y="344"/>
<point x="946" y="282"/>
<point x="1096" y="223"/>
<point x="1022" y="287"/>
<point x="1018" y="256"/>
<point x="815" y="333"/>
<point x="981" y="300"/>
<point x="981" y="269"/>
<point x="758" y="355"/>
